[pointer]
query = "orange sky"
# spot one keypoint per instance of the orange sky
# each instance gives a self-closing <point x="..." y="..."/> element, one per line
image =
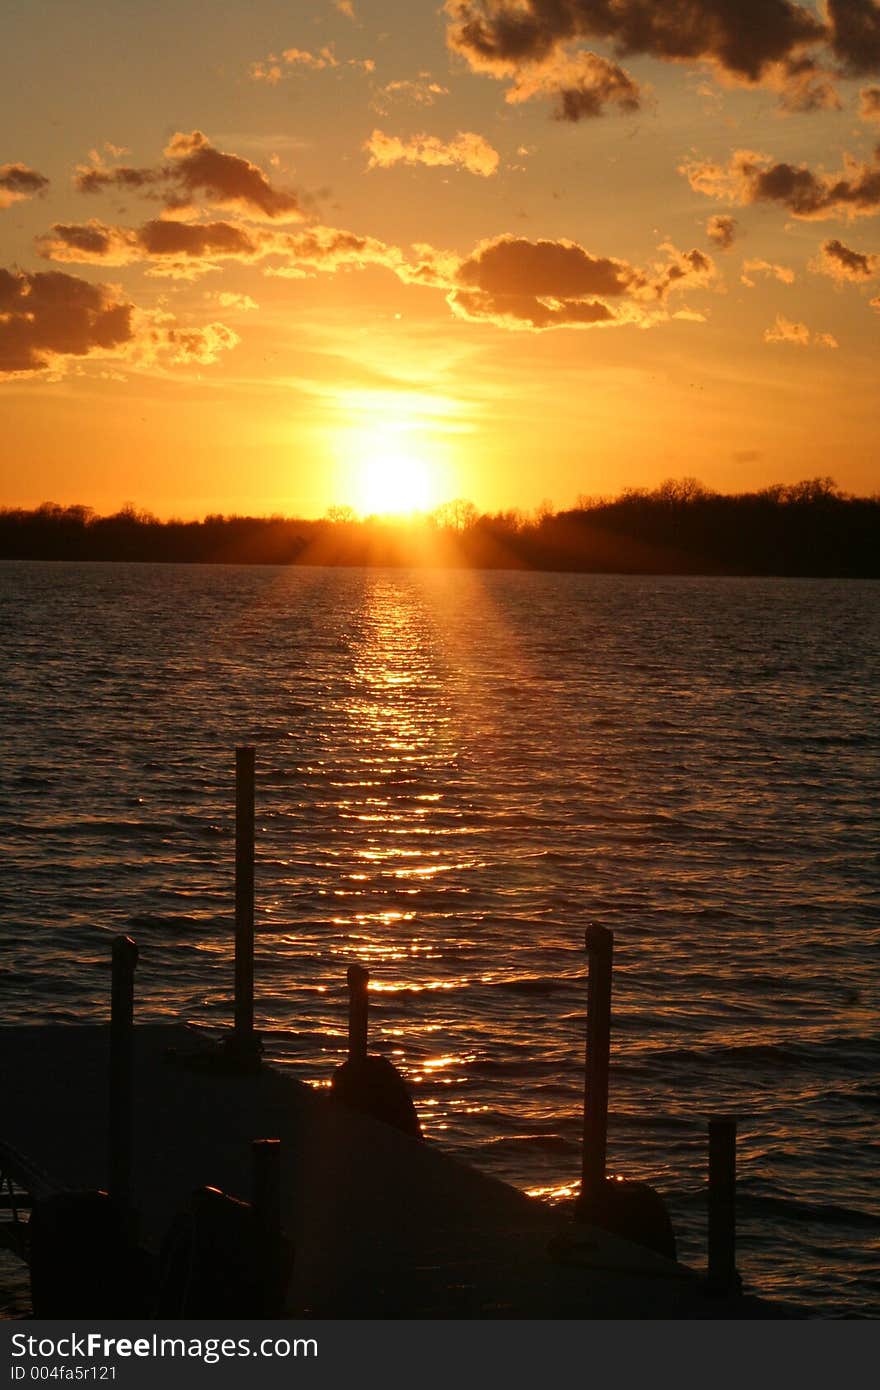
<point x="385" y="255"/>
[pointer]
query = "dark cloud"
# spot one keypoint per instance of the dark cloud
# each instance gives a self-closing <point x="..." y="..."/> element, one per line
<point x="88" y="243"/>
<point x="51" y="315"/>
<point x="869" y="104"/>
<point x="204" y="240"/>
<point x="544" y="284"/>
<point x="509" y="280"/>
<point x="582" y="86"/>
<point x="855" y="34"/>
<point x="743" y="37"/>
<point x="18" y="182"/>
<point x="197" y="169"/>
<point x="227" y="179"/>
<point x="95" y="178"/>
<point x="513" y="265"/>
<point x="722" y="230"/>
<point x="754" y="178"/>
<point x="842" y="263"/>
<point x="185" y="250"/>
<point x="163" y="239"/>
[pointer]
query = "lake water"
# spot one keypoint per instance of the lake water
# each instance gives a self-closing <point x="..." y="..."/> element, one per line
<point x="457" y="772"/>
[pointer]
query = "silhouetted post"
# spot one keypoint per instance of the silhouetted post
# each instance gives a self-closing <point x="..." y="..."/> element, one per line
<point x="722" y="1274"/>
<point x="600" y="944"/>
<point x="244" y="899"/>
<point x="358" y="981"/>
<point x="266" y="1158"/>
<point x="125" y="955"/>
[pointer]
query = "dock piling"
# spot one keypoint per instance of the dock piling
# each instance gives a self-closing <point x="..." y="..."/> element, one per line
<point x="358" y="983"/>
<point x="125" y="956"/>
<point x="266" y="1170"/>
<point x="599" y="943"/>
<point x="244" y="899"/>
<point x="722" y="1276"/>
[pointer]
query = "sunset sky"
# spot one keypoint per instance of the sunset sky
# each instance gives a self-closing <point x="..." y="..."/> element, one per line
<point x="278" y="256"/>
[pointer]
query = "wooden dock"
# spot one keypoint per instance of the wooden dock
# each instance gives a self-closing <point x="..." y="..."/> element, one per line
<point x="382" y="1225"/>
<point x="346" y="1215"/>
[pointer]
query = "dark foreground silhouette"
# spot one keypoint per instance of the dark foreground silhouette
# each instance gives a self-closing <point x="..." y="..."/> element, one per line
<point x="807" y="528"/>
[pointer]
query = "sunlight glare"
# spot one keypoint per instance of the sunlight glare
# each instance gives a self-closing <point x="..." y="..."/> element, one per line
<point x="393" y="477"/>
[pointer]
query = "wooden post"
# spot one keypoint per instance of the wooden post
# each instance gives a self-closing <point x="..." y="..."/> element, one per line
<point x="266" y="1159"/>
<point x="244" y="899"/>
<point x="599" y="944"/>
<point x="125" y="955"/>
<point x="722" y="1273"/>
<point x="358" y="981"/>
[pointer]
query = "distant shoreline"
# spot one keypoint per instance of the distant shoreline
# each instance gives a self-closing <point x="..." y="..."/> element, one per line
<point x="803" y="530"/>
<point x="428" y="565"/>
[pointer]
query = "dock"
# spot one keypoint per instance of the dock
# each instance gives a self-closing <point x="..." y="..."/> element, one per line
<point x="381" y="1225"/>
<point x="170" y="1173"/>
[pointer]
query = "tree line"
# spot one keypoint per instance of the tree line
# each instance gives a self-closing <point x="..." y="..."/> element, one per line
<point x="680" y="527"/>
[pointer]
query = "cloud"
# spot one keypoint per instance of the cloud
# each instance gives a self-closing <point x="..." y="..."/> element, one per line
<point x="301" y="57"/>
<point x="508" y="280"/>
<point x="49" y="315"/>
<point x="843" y="264"/>
<point x="321" y="245"/>
<point x="163" y="339"/>
<point x="758" y="267"/>
<point x="95" y="176"/>
<point x="467" y="151"/>
<point x="682" y="268"/>
<point x="869" y="104"/>
<point x="18" y="182"/>
<point x="516" y="283"/>
<point x="754" y="178"/>
<point x="416" y="91"/>
<point x="182" y="249"/>
<point x="746" y="41"/>
<point x="722" y="230"/>
<point x="166" y="237"/>
<point x="803" y="85"/>
<point x="268" y="71"/>
<point x="855" y="34"/>
<point x="345" y="7"/>
<point x="797" y="335"/>
<point x="271" y="69"/>
<point x="227" y="299"/>
<point x="197" y="169"/>
<point x="584" y="85"/>
<point x="50" y="318"/>
<point x="227" y="180"/>
<point x="88" y="243"/>
<point x="186" y="250"/>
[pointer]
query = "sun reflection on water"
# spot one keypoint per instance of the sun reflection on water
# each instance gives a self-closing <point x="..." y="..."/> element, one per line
<point x="406" y="721"/>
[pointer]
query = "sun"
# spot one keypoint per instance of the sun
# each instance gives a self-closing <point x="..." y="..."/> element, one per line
<point x="393" y="478"/>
